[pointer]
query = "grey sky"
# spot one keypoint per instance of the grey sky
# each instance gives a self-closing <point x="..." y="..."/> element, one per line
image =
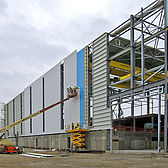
<point x="36" y="34"/>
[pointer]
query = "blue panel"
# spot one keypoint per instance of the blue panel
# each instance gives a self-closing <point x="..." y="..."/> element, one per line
<point x="166" y="12"/>
<point x="81" y="82"/>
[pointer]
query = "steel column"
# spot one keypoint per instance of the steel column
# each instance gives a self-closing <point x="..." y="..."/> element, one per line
<point x="159" y="119"/>
<point x="165" y="117"/>
<point x="142" y="50"/>
<point x="148" y="103"/>
<point x="89" y="84"/>
<point x="111" y="130"/>
<point x="132" y="67"/>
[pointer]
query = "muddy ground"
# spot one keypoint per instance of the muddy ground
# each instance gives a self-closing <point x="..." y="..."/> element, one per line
<point x="84" y="160"/>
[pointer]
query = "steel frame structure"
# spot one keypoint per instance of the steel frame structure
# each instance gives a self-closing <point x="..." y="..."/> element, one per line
<point x="147" y="49"/>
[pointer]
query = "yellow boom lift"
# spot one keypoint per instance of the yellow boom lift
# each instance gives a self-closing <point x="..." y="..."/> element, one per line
<point x="7" y="146"/>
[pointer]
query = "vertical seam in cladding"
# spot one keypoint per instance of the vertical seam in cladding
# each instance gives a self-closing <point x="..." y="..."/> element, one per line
<point x="85" y="85"/>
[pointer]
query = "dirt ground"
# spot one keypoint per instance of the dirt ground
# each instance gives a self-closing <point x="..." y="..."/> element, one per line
<point x="85" y="160"/>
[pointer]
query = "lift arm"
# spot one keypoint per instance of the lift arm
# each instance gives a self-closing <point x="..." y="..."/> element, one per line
<point x="32" y="115"/>
<point x="71" y="93"/>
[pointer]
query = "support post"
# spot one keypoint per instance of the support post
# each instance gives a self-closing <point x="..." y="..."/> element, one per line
<point x="159" y="119"/>
<point x="111" y="131"/>
<point x="142" y="51"/>
<point x="89" y="84"/>
<point x="165" y="116"/>
<point x="119" y="108"/>
<point x="132" y="68"/>
<point x="148" y="103"/>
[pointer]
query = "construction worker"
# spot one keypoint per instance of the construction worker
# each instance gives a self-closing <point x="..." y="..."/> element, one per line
<point x="74" y="88"/>
<point x="72" y="126"/>
<point x="76" y="125"/>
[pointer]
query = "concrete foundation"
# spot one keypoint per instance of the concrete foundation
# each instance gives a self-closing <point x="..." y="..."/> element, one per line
<point x="95" y="140"/>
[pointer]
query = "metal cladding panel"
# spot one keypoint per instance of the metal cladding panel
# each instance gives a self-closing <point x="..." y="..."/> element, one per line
<point x="36" y="106"/>
<point x="27" y="109"/>
<point x="101" y="114"/>
<point x="52" y="77"/>
<point x="71" y="107"/>
<point x="10" y="116"/>
<point x="5" y="113"/>
<point x="52" y="95"/>
<point x="16" y="109"/>
<point x="23" y="114"/>
<point x="17" y="113"/>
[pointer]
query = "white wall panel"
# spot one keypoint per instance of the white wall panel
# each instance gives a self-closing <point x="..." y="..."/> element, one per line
<point x="37" y="121"/>
<point x="52" y="95"/>
<point x="10" y="116"/>
<point x="18" y="113"/>
<point x="27" y="109"/>
<point x="72" y="107"/>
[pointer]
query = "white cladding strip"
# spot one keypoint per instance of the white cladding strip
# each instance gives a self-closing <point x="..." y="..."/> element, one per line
<point x="99" y="68"/>
<point x="23" y="114"/>
<point x="18" y="112"/>
<point x="10" y="116"/>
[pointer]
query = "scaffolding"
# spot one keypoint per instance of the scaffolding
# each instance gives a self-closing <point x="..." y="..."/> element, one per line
<point x="128" y="70"/>
<point x="137" y="64"/>
<point x="2" y="115"/>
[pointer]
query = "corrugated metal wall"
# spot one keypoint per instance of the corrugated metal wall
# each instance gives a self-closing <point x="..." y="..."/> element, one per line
<point x="19" y="113"/>
<point x="14" y="111"/>
<point x="101" y="114"/>
<point x="10" y="117"/>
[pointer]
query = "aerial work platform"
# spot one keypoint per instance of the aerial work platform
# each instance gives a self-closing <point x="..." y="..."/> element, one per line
<point x="78" y="131"/>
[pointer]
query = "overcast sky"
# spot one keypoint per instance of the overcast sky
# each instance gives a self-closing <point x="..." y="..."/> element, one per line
<point x="36" y="34"/>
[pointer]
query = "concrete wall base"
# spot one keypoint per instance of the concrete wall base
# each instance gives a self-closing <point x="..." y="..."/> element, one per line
<point x="95" y="140"/>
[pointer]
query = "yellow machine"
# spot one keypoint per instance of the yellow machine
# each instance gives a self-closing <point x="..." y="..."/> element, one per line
<point x="7" y="146"/>
<point x="78" y="131"/>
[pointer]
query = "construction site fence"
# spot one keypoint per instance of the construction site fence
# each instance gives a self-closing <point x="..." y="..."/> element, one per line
<point x="134" y="129"/>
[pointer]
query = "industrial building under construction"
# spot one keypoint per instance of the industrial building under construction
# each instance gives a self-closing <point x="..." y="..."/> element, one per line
<point x="120" y="80"/>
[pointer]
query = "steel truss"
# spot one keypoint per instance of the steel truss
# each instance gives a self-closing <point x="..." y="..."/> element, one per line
<point x="140" y="42"/>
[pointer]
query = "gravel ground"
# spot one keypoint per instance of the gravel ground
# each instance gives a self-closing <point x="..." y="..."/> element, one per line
<point x="125" y="159"/>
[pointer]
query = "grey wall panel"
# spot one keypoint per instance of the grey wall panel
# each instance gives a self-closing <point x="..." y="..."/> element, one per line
<point x="36" y="106"/>
<point x="10" y="116"/>
<point x="17" y="113"/>
<point x="72" y="107"/>
<point x="23" y="114"/>
<point x="27" y="109"/>
<point x="52" y="95"/>
<point x="5" y="112"/>
<point x="101" y="114"/>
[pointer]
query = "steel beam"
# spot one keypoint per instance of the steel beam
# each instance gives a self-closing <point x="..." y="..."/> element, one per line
<point x="132" y="68"/>
<point x="137" y="44"/>
<point x="159" y="119"/>
<point x="142" y="51"/>
<point x="148" y="103"/>
<point x="138" y="89"/>
<point x="165" y="117"/>
<point x="128" y="23"/>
